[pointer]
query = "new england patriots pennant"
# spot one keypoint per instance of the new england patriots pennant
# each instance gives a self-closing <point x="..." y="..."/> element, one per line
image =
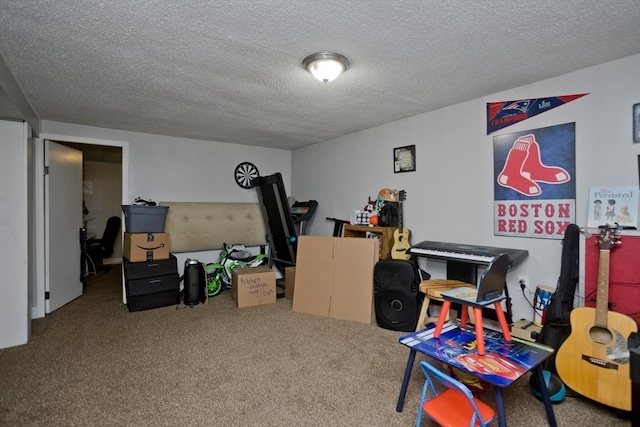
<point x="506" y="113"/>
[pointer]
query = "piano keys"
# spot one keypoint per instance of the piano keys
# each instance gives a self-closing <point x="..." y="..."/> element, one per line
<point x="473" y="254"/>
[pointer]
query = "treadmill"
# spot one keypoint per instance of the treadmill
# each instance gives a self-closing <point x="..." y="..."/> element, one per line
<point x="302" y="212"/>
<point x="282" y="233"/>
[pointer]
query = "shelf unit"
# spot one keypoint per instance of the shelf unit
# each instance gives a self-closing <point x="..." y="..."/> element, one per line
<point x="385" y="234"/>
<point x="152" y="284"/>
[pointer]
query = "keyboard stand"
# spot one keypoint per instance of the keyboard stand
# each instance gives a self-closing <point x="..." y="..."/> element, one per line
<point x="463" y="271"/>
<point x="463" y="259"/>
<point x="468" y="272"/>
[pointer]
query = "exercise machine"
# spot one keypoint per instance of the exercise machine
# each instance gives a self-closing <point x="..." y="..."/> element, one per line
<point x="282" y="235"/>
<point x="302" y="212"/>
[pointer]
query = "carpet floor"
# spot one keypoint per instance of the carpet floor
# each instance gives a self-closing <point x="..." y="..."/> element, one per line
<point x="94" y="363"/>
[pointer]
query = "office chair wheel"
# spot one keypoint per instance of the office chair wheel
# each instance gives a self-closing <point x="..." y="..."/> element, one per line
<point x="245" y="173"/>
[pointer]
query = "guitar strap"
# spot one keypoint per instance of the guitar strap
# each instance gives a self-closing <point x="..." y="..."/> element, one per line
<point x="557" y="326"/>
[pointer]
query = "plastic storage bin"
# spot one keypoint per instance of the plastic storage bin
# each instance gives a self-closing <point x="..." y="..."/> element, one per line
<point x="144" y="219"/>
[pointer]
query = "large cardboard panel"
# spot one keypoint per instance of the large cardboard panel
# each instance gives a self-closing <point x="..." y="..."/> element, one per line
<point x="314" y="274"/>
<point x="334" y="277"/>
<point x="352" y="292"/>
<point x="252" y="286"/>
<point x="146" y="247"/>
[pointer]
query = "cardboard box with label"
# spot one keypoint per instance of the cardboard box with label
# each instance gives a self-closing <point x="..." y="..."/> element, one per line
<point x="146" y="247"/>
<point x="334" y="277"/>
<point x="253" y="286"/>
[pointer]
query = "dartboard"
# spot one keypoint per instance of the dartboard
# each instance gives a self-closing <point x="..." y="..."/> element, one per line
<point x="245" y="172"/>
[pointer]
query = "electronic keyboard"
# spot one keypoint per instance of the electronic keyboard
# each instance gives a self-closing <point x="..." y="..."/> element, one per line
<point x="473" y="254"/>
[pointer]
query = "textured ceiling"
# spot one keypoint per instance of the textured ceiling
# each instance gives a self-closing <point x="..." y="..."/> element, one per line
<point x="230" y="70"/>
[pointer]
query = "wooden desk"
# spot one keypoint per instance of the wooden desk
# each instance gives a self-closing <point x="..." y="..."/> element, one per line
<point x="385" y="234"/>
<point x="508" y="361"/>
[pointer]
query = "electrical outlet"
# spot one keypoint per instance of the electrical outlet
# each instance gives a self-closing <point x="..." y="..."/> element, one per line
<point x="523" y="281"/>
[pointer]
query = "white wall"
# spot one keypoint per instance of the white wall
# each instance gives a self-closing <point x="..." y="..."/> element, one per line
<point x="450" y="196"/>
<point x="14" y="242"/>
<point x="171" y="169"/>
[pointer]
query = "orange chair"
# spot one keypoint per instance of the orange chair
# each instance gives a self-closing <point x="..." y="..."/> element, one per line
<point x="454" y="407"/>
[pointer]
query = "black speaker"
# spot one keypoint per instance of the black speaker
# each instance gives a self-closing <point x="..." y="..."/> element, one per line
<point x="395" y="291"/>
<point x="195" y="279"/>
<point x="388" y="214"/>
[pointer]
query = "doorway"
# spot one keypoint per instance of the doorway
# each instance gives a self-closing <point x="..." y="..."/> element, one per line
<point x="92" y="146"/>
<point x="101" y="190"/>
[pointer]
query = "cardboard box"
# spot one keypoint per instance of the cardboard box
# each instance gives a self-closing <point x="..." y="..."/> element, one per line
<point x="289" y="282"/>
<point x="253" y="286"/>
<point x="334" y="277"/>
<point x="145" y="247"/>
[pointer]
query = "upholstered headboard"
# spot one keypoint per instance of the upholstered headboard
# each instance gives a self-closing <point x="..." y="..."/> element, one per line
<point x="203" y="226"/>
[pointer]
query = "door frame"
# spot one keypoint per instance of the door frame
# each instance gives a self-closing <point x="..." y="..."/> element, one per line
<point x="38" y="309"/>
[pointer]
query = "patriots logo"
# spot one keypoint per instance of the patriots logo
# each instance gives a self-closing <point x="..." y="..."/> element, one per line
<point x="522" y="106"/>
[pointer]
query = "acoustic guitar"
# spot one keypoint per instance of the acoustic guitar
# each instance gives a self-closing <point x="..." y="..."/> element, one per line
<point x="594" y="359"/>
<point x="401" y="234"/>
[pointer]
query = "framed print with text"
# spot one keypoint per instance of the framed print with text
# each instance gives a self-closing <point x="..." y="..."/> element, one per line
<point x="404" y="159"/>
<point x="636" y="122"/>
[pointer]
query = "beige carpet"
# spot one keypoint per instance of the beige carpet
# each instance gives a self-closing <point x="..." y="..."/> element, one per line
<point x="93" y="363"/>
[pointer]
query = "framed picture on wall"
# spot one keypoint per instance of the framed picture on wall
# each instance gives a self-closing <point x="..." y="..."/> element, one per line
<point x="404" y="159"/>
<point x="636" y="122"/>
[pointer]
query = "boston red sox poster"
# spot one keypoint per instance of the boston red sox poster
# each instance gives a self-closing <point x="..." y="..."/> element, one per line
<point x="534" y="182"/>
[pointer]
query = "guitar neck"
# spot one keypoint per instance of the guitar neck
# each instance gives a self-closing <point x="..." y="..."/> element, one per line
<point x="400" y="216"/>
<point x="602" y="298"/>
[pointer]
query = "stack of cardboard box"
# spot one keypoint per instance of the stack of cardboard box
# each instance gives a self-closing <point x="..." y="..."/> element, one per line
<point x="151" y="272"/>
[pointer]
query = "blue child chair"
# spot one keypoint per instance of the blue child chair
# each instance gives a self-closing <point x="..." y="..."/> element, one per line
<point x="455" y="406"/>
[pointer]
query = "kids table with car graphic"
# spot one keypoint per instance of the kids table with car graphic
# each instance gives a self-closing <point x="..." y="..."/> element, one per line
<point x="503" y="363"/>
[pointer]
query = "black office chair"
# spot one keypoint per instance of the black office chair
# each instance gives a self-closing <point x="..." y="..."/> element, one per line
<point x="98" y="249"/>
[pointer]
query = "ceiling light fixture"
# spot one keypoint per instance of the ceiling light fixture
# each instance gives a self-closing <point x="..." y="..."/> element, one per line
<point x="325" y="66"/>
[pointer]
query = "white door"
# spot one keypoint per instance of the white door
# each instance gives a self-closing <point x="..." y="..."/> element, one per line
<point x="63" y="220"/>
